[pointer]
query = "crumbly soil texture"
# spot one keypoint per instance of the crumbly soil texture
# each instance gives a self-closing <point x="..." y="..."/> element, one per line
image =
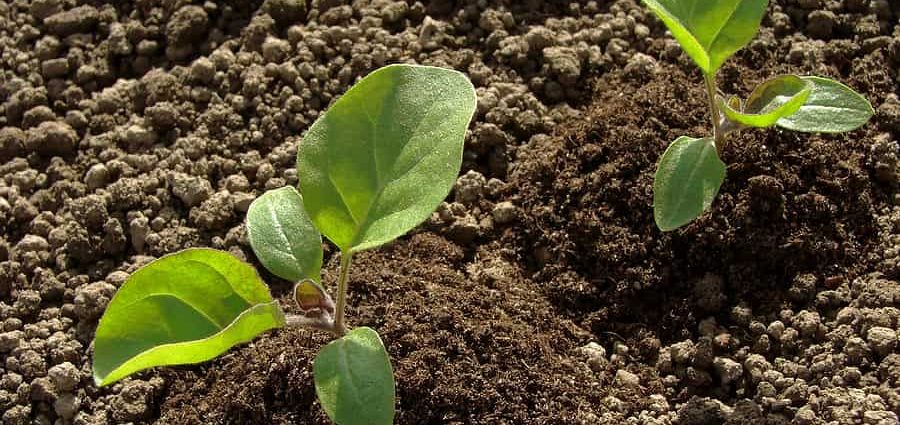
<point x="540" y="292"/>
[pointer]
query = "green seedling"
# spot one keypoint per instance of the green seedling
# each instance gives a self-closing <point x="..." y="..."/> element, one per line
<point x="690" y="171"/>
<point x="371" y="168"/>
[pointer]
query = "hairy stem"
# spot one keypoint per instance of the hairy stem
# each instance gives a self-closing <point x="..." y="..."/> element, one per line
<point x="342" y="294"/>
<point x="718" y="136"/>
<point x="322" y="324"/>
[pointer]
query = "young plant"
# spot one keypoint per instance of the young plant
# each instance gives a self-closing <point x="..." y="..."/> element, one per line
<point x="371" y="168"/>
<point x="690" y="171"/>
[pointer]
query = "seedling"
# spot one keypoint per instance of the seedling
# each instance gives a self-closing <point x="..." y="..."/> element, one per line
<point x="690" y="171"/>
<point x="374" y="166"/>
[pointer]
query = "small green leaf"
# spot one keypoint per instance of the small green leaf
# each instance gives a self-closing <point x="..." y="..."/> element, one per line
<point x="311" y="297"/>
<point x="686" y="182"/>
<point x="383" y="157"/>
<point x="710" y="31"/>
<point x="354" y="380"/>
<point x="776" y="98"/>
<point x="831" y="108"/>
<point x="283" y="237"/>
<point x="183" y="308"/>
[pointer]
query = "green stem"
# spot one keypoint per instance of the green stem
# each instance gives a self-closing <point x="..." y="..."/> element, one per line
<point x="714" y="112"/>
<point x="342" y="294"/>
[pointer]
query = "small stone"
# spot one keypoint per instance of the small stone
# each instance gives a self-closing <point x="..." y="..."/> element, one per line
<point x="469" y="187"/>
<point x="91" y="299"/>
<point x="215" y="212"/>
<point x="808" y="323"/>
<point x="80" y="19"/>
<point x="55" y="68"/>
<point x="882" y="340"/>
<point x="242" y="201"/>
<point x="285" y="12"/>
<point x="464" y="229"/>
<point x="275" y="50"/>
<point x="820" y="23"/>
<point x="729" y="370"/>
<point x="187" y="25"/>
<point x="504" y="212"/>
<point x="564" y="62"/>
<point x="67" y="405"/>
<point x="190" y="189"/>
<point x="31" y="243"/>
<point x="683" y="352"/>
<point x="65" y="376"/>
<point x="133" y="403"/>
<point x="596" y="356"/>
<point x="627" y="379"/>
<point x="10" y="340"/>
<point x="97" y="176"/>
<point x="139" y="137"/>
<point x="203" y="70"/>
<point x="52" y="138"/>
<point x="12" y="141"/>
<point x="139" y="228"/>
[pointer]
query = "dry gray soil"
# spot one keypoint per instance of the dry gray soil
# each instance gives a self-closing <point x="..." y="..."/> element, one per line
<point x="539" y="293"/>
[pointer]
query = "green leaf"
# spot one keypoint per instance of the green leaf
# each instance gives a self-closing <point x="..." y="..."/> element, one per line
<point x="686" y="182"/>
<point x="283" y="237"/>
<point x="383" y="157"/>
<point x="831" y="108"/>
<point x="770" y="101"/>
<point x="710" y="31"/>
<point x="183" y="308"/>
<point x="354" y="380"/>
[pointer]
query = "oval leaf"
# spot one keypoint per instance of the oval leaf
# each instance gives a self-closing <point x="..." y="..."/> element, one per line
<point x="831" y="108"/>
<point x="283" y="237"/>
<point x="710" y="31"/>
<point x="686" y="182"/>
<point x="383" y="157"/>
<point x="354" y="380"/>
<point x="776" y="98"/>
<point x="183" y="308"/>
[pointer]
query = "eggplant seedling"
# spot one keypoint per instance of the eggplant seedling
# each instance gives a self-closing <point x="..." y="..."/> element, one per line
<point x="371" y="168"/>
<point x="690" y="171"/>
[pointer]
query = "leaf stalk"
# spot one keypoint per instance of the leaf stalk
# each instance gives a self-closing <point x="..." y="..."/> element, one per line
<point x="340" y="305"/>
<point x="715" y="115"/>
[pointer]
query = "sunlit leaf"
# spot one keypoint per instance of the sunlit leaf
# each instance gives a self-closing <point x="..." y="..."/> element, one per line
<point x="830" y="108"/>
<point x="283" y="237"/>
<point x="770" y="101"/>
<point x="354" y="380"/>
<point x="184" y="308"/>
<point x="686" y="182"/>
<point x="383" y="157"/>
<point x="710" y="31"/>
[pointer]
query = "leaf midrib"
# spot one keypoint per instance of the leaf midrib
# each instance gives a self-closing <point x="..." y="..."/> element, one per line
<point x="718" y="32"/>
<point x="694" y="169"/>
<point x="382" y="184"/>
<point x="182" y="301"/>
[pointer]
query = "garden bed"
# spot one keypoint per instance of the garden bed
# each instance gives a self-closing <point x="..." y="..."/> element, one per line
<point x="541" y="292"/>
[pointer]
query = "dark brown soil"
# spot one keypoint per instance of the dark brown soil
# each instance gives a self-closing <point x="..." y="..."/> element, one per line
<point x="541" y="292"/>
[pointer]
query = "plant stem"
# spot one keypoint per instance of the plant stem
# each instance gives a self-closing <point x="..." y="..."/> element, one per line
<point x="714" y="112"/>
<point x="342" y="294"/>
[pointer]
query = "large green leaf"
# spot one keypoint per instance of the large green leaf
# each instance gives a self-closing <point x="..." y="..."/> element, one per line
<point x="773" y="99"/>
<point x="686" y="182"/>
<point x="184" y="308"/>
<point x="710" y="31"/>
<point x="283" y="237"/>
<point x="354" y="380"/>
<point x="831" y="108"/>
<point x="383" y="157"/>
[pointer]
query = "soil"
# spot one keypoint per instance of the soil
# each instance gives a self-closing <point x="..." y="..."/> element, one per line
<point x="541" y="292"/>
